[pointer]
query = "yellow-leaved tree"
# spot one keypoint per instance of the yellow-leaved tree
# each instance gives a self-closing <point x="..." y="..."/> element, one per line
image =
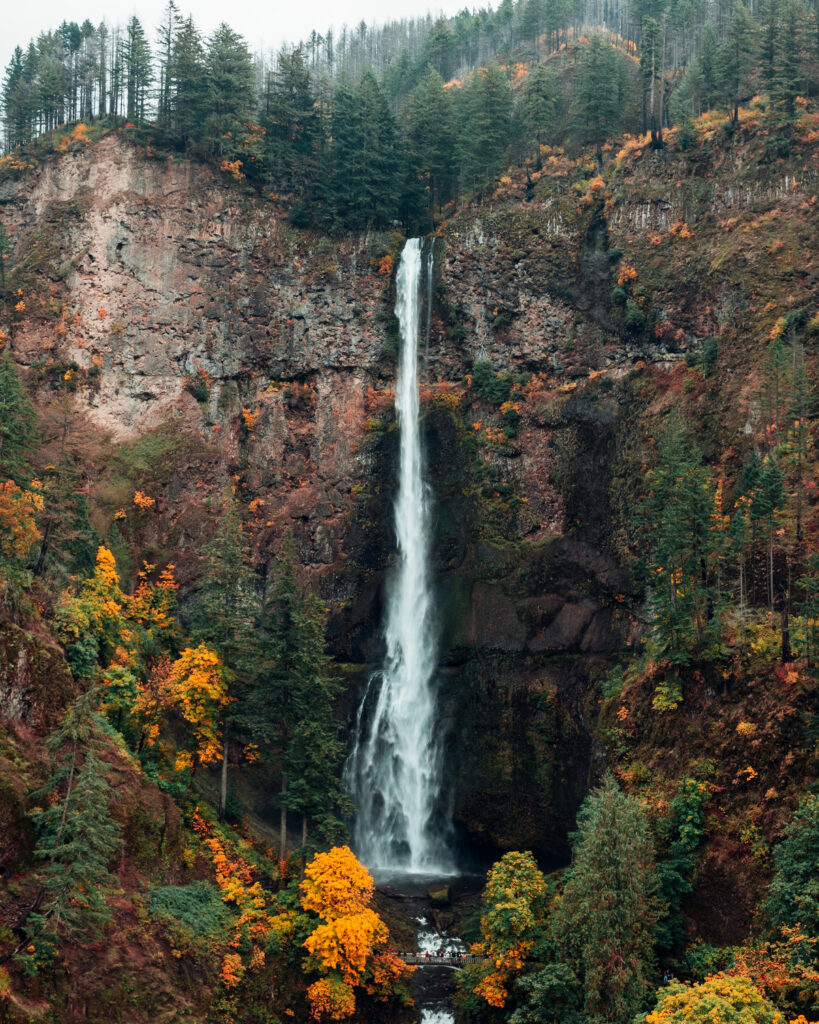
<point x="512" y="917"/>
<point x="350" y="945"/>
<point x="720" y="999"/>
<point x="198" y="686"/>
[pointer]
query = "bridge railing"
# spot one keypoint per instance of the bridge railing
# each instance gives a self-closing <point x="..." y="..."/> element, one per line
<point x="435" y="960"/>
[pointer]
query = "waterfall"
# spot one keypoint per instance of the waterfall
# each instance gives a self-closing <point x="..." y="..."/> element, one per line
<point x="393" y="772"/>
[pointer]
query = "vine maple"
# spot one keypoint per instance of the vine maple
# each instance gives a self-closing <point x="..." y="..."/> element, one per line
<point x="350" y="942"/>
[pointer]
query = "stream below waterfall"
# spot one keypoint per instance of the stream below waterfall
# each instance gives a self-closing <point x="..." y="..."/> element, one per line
<point x="437" y="928"/>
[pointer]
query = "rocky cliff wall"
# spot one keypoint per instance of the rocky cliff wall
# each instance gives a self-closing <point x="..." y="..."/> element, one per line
<point x="176" y="305"/>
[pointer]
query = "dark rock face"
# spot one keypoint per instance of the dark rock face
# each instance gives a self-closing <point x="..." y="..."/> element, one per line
<point x="35" y="682"/>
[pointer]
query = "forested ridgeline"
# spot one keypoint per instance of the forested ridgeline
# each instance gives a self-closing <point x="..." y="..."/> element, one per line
<point x="378" y="124"/>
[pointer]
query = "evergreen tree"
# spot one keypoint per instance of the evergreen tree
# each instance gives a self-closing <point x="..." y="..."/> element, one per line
<point x="13" y="117"/>
<point x="290" y="708"/>
<point x="168" y="31"/>
<point x="224" y="613"/>
<point x="138" y="73"/>
<point x="291" y="123"/>
<point x="18" y="424"/>
<point x="484" y="125"/>
<point x="682" y="528"/>
<point x="230" y="89"/>
<point x="605" y="920"/>
<point x="540" y="104"/>
<point x="360" y="179"/>
<point x="598" y="101"/>
<point x="77" y="836"/>
<point x="767" y="500"/>
<point x="651" y="67"/>
<point x="735" y="60"/>
<point x="188" y="85"/>
<point x="793" y="898"/>
<point x="531" y="26"/>
<point x="708" y="65"/>
<point x="430" y="134"/>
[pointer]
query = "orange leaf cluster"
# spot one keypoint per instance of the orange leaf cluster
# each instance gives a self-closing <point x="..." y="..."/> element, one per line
<point x="232" y="167"/>
<point x="18" y="522"/>
<point x="331" y="999"/>
<point x="336" y="884"/>
<point x="142" y="501"/>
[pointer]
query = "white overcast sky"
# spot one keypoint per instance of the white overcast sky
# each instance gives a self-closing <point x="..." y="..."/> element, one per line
<point x="265" y="25"/>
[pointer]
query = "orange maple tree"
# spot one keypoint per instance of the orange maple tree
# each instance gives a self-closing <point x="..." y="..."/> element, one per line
<point x="351" y="942"/>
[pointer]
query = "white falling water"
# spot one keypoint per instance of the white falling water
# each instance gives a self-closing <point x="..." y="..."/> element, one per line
<point x="394" y="769"/>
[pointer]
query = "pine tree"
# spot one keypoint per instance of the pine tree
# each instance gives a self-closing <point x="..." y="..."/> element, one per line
<point x="605" y="921"/>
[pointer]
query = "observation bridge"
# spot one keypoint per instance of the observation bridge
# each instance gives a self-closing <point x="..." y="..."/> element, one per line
<point x="456" y="960"/>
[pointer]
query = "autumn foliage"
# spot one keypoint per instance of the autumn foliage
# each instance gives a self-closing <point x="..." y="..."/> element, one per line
<point x="350" y="943"/>
<point x="512" y="916"/>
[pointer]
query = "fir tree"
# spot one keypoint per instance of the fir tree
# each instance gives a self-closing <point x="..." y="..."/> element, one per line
<point x="735" y="60"/>
<point x="605" y="921"/>
<point x="224" y="614"/>
<point x="77" y="836"/>
<point x="138" y="72"/>
<point x="188" y="85"/>
<point x="540" y="105"/>
<point x="231" y="89"/>
<point x="793" y="898"/>
<point x="685" y="546"/>
<point x="291" y="123"/>
<point x="290" y="708"/>
<point x="18" y="426"/>
<point x="598" y="100"/>
<point x="431" y="138"/>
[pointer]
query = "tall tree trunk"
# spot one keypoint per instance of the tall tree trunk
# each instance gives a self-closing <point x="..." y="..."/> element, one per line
<point x="283" y="821"/>
<point x="786" y="632"/>
<point x="223" y="781"/>
<point x="303" y="844"/>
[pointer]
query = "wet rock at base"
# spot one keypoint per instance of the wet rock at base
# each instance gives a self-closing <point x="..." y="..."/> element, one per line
<point x="439" y="897"/>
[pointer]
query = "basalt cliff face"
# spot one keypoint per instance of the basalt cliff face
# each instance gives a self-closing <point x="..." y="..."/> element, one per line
<point x="206" y="343"/>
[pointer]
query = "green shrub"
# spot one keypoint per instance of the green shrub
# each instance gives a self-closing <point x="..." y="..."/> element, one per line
<point x="635" y="317"/>
<point x="193" y="915"/>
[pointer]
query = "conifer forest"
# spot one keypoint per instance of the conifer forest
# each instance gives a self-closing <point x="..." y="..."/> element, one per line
<point x="409" y="519"/>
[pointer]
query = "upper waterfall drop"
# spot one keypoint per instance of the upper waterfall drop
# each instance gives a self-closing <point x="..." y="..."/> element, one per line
<point x="394" y="769"/>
